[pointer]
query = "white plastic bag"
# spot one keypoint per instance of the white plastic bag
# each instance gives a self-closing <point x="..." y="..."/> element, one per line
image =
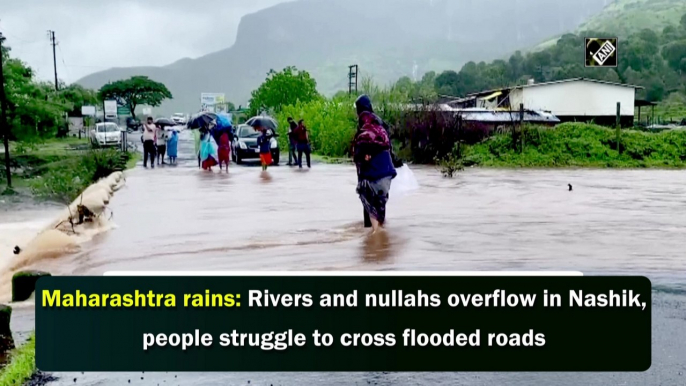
<point x="404" y="183"/>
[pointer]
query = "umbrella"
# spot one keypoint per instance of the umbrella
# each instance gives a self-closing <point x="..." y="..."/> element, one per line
<point x="201" y="120"/>
<point x="224" y="121"/>
<point x="266" y="122"/>
<point x="164" y="122"/>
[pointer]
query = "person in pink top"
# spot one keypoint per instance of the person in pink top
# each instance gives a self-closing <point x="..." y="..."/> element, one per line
<point x="149" y="150"/>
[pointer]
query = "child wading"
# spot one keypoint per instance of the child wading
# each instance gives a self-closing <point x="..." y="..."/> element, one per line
<point x="264" y="142"/>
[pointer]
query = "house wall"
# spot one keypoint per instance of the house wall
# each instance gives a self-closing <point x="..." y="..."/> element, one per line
<point x="75" y="125"/>
<point x="576" y="99"/>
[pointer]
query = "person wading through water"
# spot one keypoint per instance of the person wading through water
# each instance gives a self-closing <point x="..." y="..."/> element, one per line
<point x="365" y="113"/>
<point x="161" y="143"/>
<point x="375" y="169"/>
<point x="292" y="141"/>
<point x="264" y="144"/>
<point x="303" y="144"/>
<point x="149" y="129"/>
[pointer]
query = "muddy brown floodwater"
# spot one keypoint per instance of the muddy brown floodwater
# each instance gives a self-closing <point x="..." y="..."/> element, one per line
<point x="613" y="222"/>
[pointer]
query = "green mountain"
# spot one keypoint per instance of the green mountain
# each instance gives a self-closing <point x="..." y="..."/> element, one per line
<point x="386" y="38"/>
<point x="625" y="17"/>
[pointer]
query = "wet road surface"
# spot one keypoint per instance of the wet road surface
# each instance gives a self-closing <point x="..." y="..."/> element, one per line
<point x="613" y="222"/>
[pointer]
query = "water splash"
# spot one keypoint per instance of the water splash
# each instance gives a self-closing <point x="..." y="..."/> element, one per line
<point x="43" y="241"/>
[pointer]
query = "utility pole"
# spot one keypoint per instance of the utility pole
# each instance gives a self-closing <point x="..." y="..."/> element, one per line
<point x="54" y="57"/>
<point x="619" y="125"/>
<point x="3" y="118"/>
<point x="352" y="79"/>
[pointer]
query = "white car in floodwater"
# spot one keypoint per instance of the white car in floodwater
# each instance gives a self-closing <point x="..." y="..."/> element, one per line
<point x="106" y="134"/>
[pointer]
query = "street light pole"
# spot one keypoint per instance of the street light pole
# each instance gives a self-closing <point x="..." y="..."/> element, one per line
<point x="3" y="118"/>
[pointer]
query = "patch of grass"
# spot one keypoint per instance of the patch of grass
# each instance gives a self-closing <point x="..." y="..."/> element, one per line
<point x="50" y="147"/>
<point x="135" y="157"/>
<point x="22" y="364"/>
<point x="582" y="145"/>
<point x="66" y="182"/>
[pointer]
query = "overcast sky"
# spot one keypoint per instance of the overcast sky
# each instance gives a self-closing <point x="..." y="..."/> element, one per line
<point x="94" y="35"/>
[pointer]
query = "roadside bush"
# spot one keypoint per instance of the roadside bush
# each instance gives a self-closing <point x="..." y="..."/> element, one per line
<point x="429" y="133"/>
<point x="451" y="163"/>
<point x="67" y="180"/>
<point x="581" y="144"/>
<point x="331" y="124"/>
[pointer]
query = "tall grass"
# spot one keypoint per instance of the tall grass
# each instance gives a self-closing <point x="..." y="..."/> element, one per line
<point x="22" y="364"/>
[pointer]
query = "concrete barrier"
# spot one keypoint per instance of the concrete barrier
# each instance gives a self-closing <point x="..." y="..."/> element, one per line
<point x="6" y="340"/>
<point x="24" y="284"/>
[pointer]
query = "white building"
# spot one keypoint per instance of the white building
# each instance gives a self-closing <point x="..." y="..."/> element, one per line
<point x="576" y="99"/>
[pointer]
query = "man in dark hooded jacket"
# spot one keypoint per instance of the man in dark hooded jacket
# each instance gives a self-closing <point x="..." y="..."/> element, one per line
<point x="364" y="104"/>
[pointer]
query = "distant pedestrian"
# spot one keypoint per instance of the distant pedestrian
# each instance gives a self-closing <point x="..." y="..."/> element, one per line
<point x="303" y="144"/>
<point x="292" y="142"/>
<point x="161" y="142"/>
<point x="172" y="146"/>
<point x="149" y="129"/>
<point x="264" y="143"/>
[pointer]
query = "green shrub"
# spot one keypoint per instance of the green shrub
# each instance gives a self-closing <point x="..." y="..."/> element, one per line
<point x="581" y="144"/>
<point x="67" y="180"/>
<point x="331" y="124"/>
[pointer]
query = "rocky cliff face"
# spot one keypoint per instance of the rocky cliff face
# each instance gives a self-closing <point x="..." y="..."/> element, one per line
<point x="386" y="38"/>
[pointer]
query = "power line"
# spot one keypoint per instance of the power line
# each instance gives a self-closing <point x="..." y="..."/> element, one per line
<point x="63" y="62"/>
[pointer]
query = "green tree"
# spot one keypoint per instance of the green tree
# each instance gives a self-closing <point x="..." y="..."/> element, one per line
<point x="674" y="52"/>
<point x="283" y="88"/>
<point x="135" y="91"/>
<point x="78" y="96"/>
<point x="655" y="90"/>
<point x="447" y="83"/>
<point x="34" y="109"/>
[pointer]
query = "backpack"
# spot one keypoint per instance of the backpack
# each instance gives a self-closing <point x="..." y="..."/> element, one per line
<point x="372" y="132"/>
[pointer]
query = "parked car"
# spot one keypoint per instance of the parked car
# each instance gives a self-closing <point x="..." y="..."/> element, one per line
<point x="179" y="118"/>
<point x="106" y="134"/>
<point x="244" y="146"/>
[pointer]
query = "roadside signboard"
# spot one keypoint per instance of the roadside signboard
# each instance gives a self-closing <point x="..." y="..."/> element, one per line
<point x="88" y="111"/>
<point x="110" y="107"/>
<point x="208" y="101"/>
<point x="123" y="110"/>
<point x="147" y="111"/>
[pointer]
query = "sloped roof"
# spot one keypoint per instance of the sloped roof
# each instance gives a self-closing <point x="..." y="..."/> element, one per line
<point x="555" y="82"/>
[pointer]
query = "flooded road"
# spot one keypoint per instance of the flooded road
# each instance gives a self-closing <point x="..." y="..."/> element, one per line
<point x="613" y="222"/>
<point x="181" y="218"/>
